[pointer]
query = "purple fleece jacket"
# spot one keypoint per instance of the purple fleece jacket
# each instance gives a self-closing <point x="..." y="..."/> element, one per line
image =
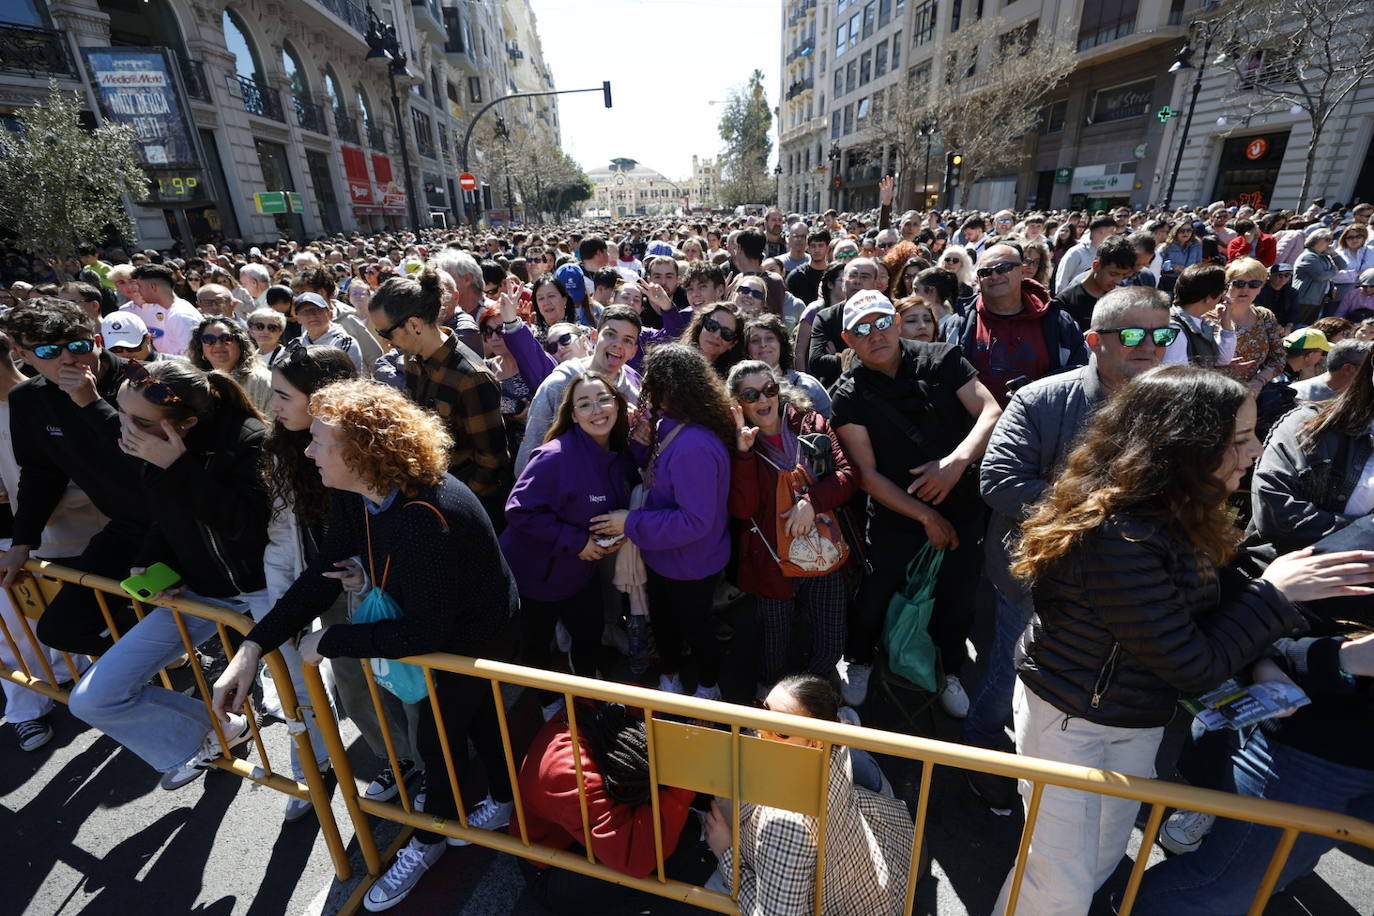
<point x="683" y="530"/>
<point x="566" y="483"/>
<point x="531" y="359"/>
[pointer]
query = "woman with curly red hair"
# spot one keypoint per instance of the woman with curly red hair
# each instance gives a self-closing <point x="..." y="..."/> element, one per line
<point x="428" y="544"/>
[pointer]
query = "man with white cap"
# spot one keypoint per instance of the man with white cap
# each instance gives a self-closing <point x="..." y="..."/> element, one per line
<point x="914" y="419"/>
<point x="125" y="334"/>
<point x="316" y="316"/>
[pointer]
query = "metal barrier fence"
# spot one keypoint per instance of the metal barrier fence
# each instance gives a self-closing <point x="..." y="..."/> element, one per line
<point x="730" y="763"/>
<point x="30" y="596"/>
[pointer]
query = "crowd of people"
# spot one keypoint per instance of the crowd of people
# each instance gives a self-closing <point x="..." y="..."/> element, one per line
<point x="1126" y="434"/>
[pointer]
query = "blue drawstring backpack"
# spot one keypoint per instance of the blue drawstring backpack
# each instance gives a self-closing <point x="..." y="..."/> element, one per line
<point x="405" y="681"/>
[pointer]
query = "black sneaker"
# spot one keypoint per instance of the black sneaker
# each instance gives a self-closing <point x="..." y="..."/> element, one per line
<point x="383" y="787"/>
<point x="997" y="792"/>
<point x="33" y="734"/>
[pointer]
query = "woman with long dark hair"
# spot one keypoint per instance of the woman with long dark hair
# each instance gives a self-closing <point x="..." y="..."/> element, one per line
<point x="552" y="304"/>
<point x="717" y="332"/>
<point x="1123" y="555"/>
<point x="199" y="444"/>
<point x="583" y="469"/>
<point x="682" y="530"/>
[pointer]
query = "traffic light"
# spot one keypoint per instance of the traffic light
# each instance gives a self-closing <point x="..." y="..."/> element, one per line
<point x="954" y="167"/>
<point x="606" y="92"/>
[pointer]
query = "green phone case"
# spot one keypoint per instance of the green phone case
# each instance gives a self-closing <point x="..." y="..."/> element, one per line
<point x="158" y="577"/>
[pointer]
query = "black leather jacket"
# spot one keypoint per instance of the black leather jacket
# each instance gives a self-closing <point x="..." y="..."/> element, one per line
<point x="1133" y="618"/>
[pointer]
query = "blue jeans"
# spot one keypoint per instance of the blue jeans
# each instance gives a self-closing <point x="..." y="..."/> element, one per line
<point x="989" y="708"/>
<point x="1223" y="874"/>
<point x="164" y="727"/>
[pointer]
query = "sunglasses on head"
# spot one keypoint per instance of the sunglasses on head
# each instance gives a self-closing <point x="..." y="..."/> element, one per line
<point x="138" y="377"/>
<point x="1005" y="267"/>
<point x="209" y="340"/>
<point x="1242" y="284"/>
<point x="763" y="704"/>
<point x="729" y="335"/>
<point x="1134" y="337"/>
<point x="751" y="395"/>
<point x="553" y="345"/>
<point x="263" y="326"/>
<point x="868" y="327"/>
<point x="52" y="351"/>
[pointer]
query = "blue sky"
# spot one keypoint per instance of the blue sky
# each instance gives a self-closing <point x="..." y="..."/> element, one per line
<point x="666" y="60"/>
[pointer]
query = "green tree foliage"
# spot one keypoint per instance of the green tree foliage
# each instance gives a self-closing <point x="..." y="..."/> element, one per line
<point x="744" y="127"/>
<point x="61" y="184"/>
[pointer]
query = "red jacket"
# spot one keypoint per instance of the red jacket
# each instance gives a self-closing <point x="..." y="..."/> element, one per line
<point x="622" y="836"/>
<point x="1266" y="249"/>
<point x="754" y="494"/>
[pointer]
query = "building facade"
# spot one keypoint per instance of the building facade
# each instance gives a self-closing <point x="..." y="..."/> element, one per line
<point x="626" y="187"/>
<point x="292" y="127"/>
<point x="1105" y="136"/>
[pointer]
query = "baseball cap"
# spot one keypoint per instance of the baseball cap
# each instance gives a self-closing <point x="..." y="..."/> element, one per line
<point x="1306" y="339"/>
<point x="659" y="248"/>
<point x="573" y="280"/>
<point x="1281" y="268"/>
<point x="864" y="303"/>
<point x="122" y="329"/>
<point x="313" y="299"/>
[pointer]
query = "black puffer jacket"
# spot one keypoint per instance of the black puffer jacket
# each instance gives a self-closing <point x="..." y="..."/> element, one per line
<point x="1134" y="617"/>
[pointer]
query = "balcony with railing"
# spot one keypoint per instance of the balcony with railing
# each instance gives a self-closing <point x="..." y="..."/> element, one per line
<point x="376" y="137"/>
<point x="309" y="115"/>
<point x="430" y="14"/>
<point x="263" y="101"/>
<point x="805" y="48"/>
<point x="346" y="127"/>
<point x="34" y="51"/>
<point x="193" y="78"/>
<point x="350" y="11"/>
<point x="800" y="86"/>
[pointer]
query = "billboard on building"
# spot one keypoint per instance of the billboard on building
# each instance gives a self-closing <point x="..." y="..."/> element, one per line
<point x="137" y="87"/>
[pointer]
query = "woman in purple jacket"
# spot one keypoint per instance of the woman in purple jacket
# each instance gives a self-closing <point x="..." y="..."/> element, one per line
<point x="682" y="529"/>
<point x="582" y="470"/>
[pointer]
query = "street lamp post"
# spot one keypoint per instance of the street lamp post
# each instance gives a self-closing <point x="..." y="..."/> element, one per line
<point x="1184" y="61"/>
<point x="926" y="129"/>
<point x="386" y="51"/>
<point x="503" y="131"/>
<point x="834" y="157"/>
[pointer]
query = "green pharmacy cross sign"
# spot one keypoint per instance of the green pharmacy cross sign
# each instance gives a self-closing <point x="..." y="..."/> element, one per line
<point x="1165" y="113"/>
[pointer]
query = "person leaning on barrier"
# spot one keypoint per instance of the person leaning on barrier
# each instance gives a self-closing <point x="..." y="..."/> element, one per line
<point x="1126" y="556"/>
<point x="426" y="540"/>
<point x="65" y="431"/>
<point x="198" y="442"/>
<point x="868" y="836"/>
<point x="615" y="773"/>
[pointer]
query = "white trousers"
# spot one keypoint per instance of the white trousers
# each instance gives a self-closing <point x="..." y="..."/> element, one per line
<point x="21" y="703"/>
<point x="1079" y="837"/>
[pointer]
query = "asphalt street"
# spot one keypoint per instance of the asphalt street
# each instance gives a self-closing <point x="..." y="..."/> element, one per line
<point x="84" y="828"/>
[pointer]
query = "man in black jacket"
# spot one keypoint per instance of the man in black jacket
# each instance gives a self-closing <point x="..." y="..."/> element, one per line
<point x="66" y="430"/>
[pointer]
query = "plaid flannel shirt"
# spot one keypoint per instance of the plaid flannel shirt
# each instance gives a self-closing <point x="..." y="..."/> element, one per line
<point x="867" y="854"/>
<point x="460" y="388"/>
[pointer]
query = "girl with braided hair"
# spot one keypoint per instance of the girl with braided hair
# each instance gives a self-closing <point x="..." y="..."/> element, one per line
<point x="615" y="771"/>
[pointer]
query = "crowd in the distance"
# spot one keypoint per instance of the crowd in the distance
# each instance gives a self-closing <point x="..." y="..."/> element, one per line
<point x="1118" y="435"/>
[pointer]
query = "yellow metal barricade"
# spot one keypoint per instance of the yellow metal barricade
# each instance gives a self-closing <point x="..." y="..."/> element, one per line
<point x="732" y="763"/>
<point x="30" y="596"/>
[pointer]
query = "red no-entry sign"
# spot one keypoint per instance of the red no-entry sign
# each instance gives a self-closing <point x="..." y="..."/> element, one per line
<point x="467" y="181"/>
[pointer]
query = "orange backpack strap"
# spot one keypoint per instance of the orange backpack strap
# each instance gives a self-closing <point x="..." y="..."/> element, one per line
<point x="420" y="502"/>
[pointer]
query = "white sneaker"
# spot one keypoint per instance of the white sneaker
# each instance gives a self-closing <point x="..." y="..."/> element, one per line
<point x="488" y="815"/>
<point x="297" y="808"/>
<point x="562" y="638"/>
<point x="670" y="683"/>
<point x="853" y="682"/>
<point x="235" y="733"/>
<point x="953" y="698"/>
<point x="1184" y="831"/>
<point x="400" y="879"/>
<point x="849" y="716"/>
<point x="707" y="693"/>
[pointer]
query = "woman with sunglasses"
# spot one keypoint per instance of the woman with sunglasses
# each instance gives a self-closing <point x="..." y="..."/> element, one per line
<point x="198" y="442"/>
<point x="267" y="326"/>
<point x="516" y="390"/>
<point x="778" y="432"/>
<point x="1260" y="354"/>
<point x="867" y="841"/>
<point x="1123" y="554"/>
<point x="717" y="333"/>
<point x="682" y="530"/>
<point x="1353" y="256"/>
<point x="582" y="470"/>
<point x="956" y="260"/>
<point x="223" y="344"/>
<point x="765" y="339"/>
<point x="1182" y="252"/>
